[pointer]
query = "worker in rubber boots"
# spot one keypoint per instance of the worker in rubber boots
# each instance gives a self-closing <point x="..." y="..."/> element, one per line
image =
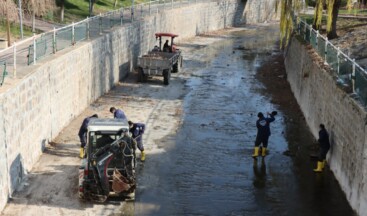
<point x="117" y="113"/>
<point x="137" y="131"/>
<point x="83" y="134"/>
<point x="324" y="148"/>
<point x="263" y="132"/>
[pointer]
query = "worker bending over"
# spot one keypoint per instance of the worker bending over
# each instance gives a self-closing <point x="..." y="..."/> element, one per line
<point x="137" y="131"/>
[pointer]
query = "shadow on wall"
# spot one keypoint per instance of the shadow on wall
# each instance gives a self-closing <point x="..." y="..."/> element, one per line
<point x="238" y="16"/>
<point x="16" y="173"/>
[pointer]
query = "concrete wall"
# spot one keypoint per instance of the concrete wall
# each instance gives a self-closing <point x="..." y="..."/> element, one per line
<point x="60" y="87"/>
<point x="322" y="101"/>
<point x="260" y="11"/>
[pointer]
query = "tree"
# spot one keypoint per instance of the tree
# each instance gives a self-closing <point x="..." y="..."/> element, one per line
<point x="332" y="10"/>
<point x="62" y="10"/>
<point x="288" y="7"/>
<point x="91" y="6"/>
<point x="8" y="9"/>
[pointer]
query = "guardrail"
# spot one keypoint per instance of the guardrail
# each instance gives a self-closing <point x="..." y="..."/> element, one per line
<point x="348" y="71"/>
<point x="28" y="51"/>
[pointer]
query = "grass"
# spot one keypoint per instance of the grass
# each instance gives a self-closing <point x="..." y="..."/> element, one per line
<point x="343" y="24"/>
<point x="14" y="31"/>
<point x="353" y="12"/>
<point x="76" y="10"/>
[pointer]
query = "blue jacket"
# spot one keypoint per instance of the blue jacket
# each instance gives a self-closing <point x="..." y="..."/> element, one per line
<point x="263" y="126"/>
<point x="119" y="114"/>
<point x="137" y="131"/>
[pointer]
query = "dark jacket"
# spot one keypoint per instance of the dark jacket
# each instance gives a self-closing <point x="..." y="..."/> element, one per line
<point x="83" y="130"/>
<point x="324" y="139"/>
<point x="84" y="127"/>
<point x="263" y="128"/>
<point x="119" y="114"/>
<point x="137" y="131"/>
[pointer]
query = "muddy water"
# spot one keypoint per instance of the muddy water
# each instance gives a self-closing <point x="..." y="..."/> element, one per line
<point x="206" y="168"/>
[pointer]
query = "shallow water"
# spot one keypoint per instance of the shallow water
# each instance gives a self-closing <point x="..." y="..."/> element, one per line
<point x="206" y="168"/>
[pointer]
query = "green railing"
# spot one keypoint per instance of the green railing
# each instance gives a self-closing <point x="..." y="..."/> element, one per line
<point x="61" y="38"/>
<point x="348" y="71"/>
<point x="28" y="51"/>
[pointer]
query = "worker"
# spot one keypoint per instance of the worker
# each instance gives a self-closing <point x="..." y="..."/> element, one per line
<point x="166" y="47"/>
<point x="83" y="134"/>
<point x="137" y="131"/>
<point x="263" y="132"/>
<point x="117" y="113"/>
<point x="324" y="148"/>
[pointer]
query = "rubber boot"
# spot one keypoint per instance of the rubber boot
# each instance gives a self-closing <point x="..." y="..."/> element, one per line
<point x="323" y="164"/>
<point x="81" y="154"/>
<point x="142" y="156"/>
<point x="319" y="167"/>
<point x="263" y="152"/>
<point x="256" y="152"/>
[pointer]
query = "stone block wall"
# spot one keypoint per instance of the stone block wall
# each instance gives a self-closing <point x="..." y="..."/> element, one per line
<point x="61" y="86"/>
<point x="260" y="11"/>
<point x="322" y="101"/>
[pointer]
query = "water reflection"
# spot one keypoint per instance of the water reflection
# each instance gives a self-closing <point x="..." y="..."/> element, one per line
<point x="259" y="173"/>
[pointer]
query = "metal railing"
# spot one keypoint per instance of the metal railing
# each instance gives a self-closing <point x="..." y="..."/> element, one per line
<point x="348" y="71"/>
<point x="28" y="51"/>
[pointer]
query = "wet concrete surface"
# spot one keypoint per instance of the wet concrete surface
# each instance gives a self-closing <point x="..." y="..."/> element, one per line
<point x="206" y="167"/>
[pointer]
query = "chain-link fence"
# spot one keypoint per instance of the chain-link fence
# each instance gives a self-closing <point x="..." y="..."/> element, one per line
<point x="361" y="83"/>
<point x="348" y="72"/>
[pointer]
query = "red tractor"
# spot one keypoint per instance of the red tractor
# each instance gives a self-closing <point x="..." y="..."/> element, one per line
<point x="161" y="61"/>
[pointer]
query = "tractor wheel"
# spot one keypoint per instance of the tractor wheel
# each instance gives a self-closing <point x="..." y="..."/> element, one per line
<point x="177" y="67"/>
<point x="141" y="76"/>
<point x="166" y="76"/>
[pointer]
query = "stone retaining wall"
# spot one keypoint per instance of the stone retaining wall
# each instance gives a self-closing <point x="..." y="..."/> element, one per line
<point x="322" y="101"/>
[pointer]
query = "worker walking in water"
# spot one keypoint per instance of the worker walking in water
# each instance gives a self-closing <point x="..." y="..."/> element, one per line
<point x="83" y="134"/>
<point x="137" y="131"/>
<point x="324" y="148"/>
<point x="117" y="113"/>
<point x="263" y="132"/>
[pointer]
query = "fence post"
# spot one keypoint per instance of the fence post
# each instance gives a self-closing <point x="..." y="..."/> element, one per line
<point x="171" y="4"/>
<point x="325" y="52"/>
<point x="354" y="75"/>
<point x="15" y="60"/>
<point x="34" y="50"/>
<point x="149" y="7"/>
<point x="100" y="24"/>
<point x="110" y="15"/>
<point x="88" y="29"/>
<point x="121" y="15"/>
<point x="73" y="34"/>
<point x="132" y="13"/>
<point x="317" y="40"/>
<point x="310" y="27"/>
<point x="305" y="30"/>
<point x="141" y="10"/>
<point x="54" y="41"/>
<point x="164" y="4"/>
<point x="338" y="61"/>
